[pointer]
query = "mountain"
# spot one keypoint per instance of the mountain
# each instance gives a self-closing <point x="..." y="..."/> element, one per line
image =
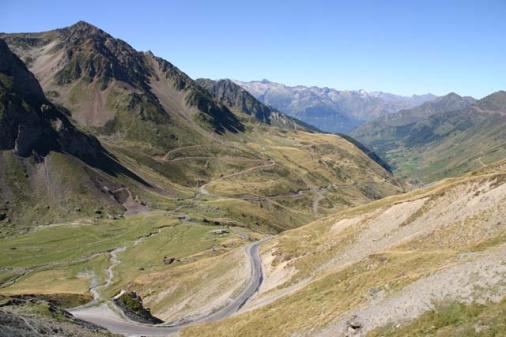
<point x="238" y="99"/>
<point x="450" y="102"/>
<point x="198" y="140"/>
<point x="119" y="174"/>
<point x="426" y="263"/>
<point x="125" y="184"/>
<point x="328" y="109"/>
<point x="447" y="137"/>
<point x="113" y="89"/>
<point x="30" y="124"/>
<point x="50" y="169"/>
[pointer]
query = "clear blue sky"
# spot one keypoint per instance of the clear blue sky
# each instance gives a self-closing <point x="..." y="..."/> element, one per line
<point x="395" y="46"/>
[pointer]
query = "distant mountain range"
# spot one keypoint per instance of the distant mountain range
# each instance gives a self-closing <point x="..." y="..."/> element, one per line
<point x="329" y="109"/>
<point x="442" y="138"/>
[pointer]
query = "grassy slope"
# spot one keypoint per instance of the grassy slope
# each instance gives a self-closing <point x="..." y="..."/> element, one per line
<point x="396" y="252"/>
<point x="460" y="153"/>
<point x="76" y="255"/>
<point x="450" y="141"/>
<point x="58" y="189"/>
<point x="264" y="179"/>
<point x="453" y="319"/>
<point x="267" y="179"/>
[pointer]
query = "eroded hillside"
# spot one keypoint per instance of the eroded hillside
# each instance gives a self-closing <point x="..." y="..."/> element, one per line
<point x="384" y="264"/>
<point x="122" y="174"/>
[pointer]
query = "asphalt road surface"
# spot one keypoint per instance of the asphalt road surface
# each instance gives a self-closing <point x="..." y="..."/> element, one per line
<point x="106" y="317"/>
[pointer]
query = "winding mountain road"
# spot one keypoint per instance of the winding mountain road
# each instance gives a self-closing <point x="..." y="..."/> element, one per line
<point x="203" y="189"/>
<point x="103" y="314"/>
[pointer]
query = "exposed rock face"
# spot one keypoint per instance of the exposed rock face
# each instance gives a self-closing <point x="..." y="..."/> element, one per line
<point x="131" y="305"/>
<point x="30" y="124"/>
<point x="169" y="260"/>
<point x="111" y="59"/>
<point x="31" y="316"/>
<point x="238" y="99"/>
<point x="108" y="85"/>
<point x="234" y="96"/>
<point x="32" y="128"/>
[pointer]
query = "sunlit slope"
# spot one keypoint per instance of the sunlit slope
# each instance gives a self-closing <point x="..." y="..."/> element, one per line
<point x="211" y="151"/>
<point x="122" y="210"/>
<point x="448" y="137"/>
<point x="383" y="262"/>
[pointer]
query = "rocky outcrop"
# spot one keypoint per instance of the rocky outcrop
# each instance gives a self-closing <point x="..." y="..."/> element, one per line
<point x="131" y="305"/>
<point x="33" y="316"/>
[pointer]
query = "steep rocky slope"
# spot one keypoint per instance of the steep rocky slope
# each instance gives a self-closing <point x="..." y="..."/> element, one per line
<point x="241" y="101"/>
<point x="391" y="264"/>
<point x="115" y="90"/>
<point x="50" y="169"/>
<point x="329" y="109"/>
<point x="447" y="137"/>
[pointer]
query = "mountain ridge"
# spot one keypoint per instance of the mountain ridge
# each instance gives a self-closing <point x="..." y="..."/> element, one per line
<point x="238" y="99"/>
<point x="192" y="142"/>
<point x="449" y="136"/>
<point x="329" y="109"/>
<point x="99" y="78"/>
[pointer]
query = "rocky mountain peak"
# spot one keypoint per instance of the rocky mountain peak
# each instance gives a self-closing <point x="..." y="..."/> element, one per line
<point x="235" y="97"/>
<point x="449" y="102"/>
<point x="83" y="31"/>
<point x="452" y="95"/>
<point x="92" y="54"/>
<point x="84" y="27"/>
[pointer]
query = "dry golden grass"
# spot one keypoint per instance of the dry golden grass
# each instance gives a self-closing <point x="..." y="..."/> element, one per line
<point x="194" y="287"/>
<point x="432" y="237"/>
<point x="49" y="282"/>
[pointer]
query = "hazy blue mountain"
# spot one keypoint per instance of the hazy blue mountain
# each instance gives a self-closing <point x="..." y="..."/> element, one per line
<point x="329" y="109"/>
<point x="443" y="138"/>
